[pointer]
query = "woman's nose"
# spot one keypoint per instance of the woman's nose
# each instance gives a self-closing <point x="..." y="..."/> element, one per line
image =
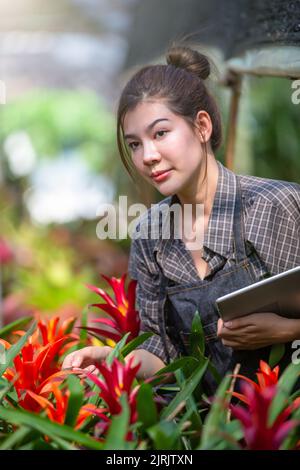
<point x="151" y="155"/>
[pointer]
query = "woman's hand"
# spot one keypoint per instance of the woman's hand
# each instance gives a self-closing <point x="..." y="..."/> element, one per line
<point x="256" y="331"/>
<point x="86" y="358"/>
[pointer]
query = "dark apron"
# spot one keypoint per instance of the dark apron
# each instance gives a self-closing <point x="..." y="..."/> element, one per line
<point x="179" y="304"/>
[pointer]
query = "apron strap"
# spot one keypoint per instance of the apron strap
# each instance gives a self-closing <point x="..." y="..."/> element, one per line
<point x="174" y="329"/>
<point x="161" y="313"/>
<point x="238" y="225"/>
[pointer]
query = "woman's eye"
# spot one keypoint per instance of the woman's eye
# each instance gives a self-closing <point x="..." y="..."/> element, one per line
<point x="133" y="145"/>
<point x="160" y="133"/>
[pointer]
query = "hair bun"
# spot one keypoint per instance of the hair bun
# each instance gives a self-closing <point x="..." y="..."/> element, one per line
<point x="189" y="59"/>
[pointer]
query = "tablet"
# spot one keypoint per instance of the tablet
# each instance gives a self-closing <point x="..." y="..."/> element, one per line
<point x="278" y="294"/>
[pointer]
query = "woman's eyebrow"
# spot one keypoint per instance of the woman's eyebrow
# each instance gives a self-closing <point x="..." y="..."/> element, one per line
<point x="148" y="128"/>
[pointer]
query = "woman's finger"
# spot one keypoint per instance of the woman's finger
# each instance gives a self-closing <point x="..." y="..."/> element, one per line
<point x="67" y="362"/>
<point x="90" y="369"/>
<point x="220" y="326"/>
<point x="72" y="360"/>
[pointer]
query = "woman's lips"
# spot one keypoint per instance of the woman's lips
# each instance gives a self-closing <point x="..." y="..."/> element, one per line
<point x="161" y="175"/>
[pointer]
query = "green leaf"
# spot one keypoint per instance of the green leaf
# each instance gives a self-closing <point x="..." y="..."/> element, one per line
<point x="195" y="427"/>
<point x="284" y="389"/>
<point x="234" y="429"/>
<point x="83" y="332"/>
<point x="117" y="350"/>
<point x="169" y="387"/>
<point x="189" y="369"/>
<point x="116" y="437"/>
<point x="94" y="398"/>
<point x="16" y="325"/>
<point x="180" y="363"/>
<point x="216" y="416"/>
<point x="133" y="344"/>
<point x="185" y="393"/>
<point x="70" y="327"/>
<point x="146" y="407"/>
<point x="185" y="417"/>
<point x="191" y="405"/>
<point x="15" y="349"/>
<point x="75" y="399"/>
<point x="24" y="438"/>
<point x="46" y="427"/>
<point x="197" y="339"/>
<point x="4" y="390"/>
<point x="227" y="436"/>
<point x="38" y="444"/>
<point x="62" y="443"/>
<point x="294" y="435"/>
<point x="14" y="438"/>
<point x="165" y="436"/>
<point x="276" y="354"/>
<point x="57" y="443"/>
<point x="212" y="369"/>
<point x="12" y="398"/>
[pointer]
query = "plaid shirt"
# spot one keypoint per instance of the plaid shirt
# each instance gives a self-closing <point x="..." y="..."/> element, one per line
<point x="271" y="211"/>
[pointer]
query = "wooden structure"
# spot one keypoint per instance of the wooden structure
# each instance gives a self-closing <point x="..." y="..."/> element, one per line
<point x="254" y="37"/>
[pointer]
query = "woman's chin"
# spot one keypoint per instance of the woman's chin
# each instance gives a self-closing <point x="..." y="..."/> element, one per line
<point x="166" y="188"/>
<point x="166" y="191"/>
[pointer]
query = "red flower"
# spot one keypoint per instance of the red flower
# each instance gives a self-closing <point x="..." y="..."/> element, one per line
<point x="121" y="309"/>
<point x="34" y="368"/>
<point x="57" y="412"/>
<point x="266" y="377"/>
<point x="259" y="434"/>
<point x="49" y="332"/>
<point x="118" y="379"/>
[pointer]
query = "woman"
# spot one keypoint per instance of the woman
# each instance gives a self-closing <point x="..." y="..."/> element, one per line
<point x="169" y="126"/>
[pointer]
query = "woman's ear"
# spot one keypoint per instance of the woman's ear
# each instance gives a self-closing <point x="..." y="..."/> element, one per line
<point x="204" y="126"/>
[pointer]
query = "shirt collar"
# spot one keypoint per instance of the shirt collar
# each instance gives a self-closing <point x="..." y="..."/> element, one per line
<point x="219" y="235"/>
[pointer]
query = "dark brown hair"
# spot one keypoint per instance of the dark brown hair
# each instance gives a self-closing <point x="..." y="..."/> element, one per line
<point x="180" y="84"/>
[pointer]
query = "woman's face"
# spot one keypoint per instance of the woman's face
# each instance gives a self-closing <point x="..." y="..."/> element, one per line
<point x="165" y="149"/>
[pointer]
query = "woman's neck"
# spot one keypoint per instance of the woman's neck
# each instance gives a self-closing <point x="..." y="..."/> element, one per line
<point x="205" y="190"/>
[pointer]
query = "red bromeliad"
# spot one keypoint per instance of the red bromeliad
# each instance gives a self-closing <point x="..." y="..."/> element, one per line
<point x="33" y="370"/>
<point x="125" y="318"/>
<point x="49" y="331"/>
<point x="118" y="379"/>
<point x="266" y="377"/>
<point x="258" y="433"/>
<point x="57" y="412"/>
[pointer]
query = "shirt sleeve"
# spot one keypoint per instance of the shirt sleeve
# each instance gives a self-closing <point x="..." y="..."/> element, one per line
<point x="274" y="230"/>
<point x="144" y="270"/>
